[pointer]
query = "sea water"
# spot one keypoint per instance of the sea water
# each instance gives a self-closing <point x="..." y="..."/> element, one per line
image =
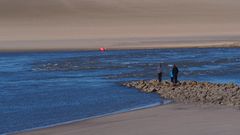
<point x="39" y="89"/>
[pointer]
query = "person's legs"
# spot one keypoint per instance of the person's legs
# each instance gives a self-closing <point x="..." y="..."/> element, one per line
<point x="175" y="79"/>
<point x="159" y="77"/>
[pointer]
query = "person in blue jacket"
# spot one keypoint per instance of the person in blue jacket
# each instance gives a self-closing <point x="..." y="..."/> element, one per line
<point x="171" y="75"/>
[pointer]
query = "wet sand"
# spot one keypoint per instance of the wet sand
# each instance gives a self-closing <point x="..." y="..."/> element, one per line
<point x="173" y="119"/>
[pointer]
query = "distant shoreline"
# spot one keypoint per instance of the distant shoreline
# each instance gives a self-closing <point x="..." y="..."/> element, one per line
<point x="111" y="49"/>
<point x="114" y="44"/>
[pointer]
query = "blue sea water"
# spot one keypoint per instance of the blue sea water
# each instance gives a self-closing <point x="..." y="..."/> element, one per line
<point x="38" y="89"/>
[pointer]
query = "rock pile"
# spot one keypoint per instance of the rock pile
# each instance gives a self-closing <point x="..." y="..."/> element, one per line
<point x="192" y="91"/>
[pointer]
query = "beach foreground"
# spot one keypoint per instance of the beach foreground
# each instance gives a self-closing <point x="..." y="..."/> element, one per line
<point x="173" y="119"/>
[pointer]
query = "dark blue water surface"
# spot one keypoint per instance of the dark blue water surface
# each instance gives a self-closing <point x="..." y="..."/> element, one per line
<point x="41" y="89"/>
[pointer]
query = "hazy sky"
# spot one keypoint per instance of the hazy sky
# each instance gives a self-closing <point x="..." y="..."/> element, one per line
<point x="89" y="19"/>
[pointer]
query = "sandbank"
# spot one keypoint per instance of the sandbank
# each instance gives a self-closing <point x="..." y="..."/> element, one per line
<point x="119" y="43"/>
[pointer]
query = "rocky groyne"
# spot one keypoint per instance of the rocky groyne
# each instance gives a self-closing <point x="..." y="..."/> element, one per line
<point x="192" y="91"/>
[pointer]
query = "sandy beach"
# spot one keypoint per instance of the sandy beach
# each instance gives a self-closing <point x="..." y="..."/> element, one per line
<point x="173" y="119"/>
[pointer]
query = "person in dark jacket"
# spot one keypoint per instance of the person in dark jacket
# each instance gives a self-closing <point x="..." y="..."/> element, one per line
<point x="160" y="72"/>
<point x="175" y="73"/>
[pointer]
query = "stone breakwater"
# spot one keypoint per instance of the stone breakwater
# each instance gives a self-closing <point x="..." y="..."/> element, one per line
<point x="192" y="91"/>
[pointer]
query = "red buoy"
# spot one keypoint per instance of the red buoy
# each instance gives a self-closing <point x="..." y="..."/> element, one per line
<point x="102" y="49"/>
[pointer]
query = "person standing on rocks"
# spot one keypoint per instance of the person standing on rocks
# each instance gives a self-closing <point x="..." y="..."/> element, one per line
<point x="175" y="73"/>
<point x="160" y="72"/>
<point x="170" y="73"/>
